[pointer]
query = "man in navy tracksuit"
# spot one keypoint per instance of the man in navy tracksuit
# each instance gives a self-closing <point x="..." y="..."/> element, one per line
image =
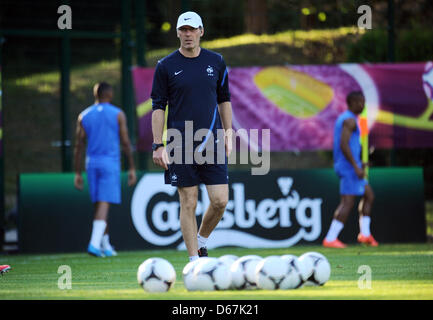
<point x="194" y="83"/>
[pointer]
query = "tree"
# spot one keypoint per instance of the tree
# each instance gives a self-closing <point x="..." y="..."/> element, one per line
<point x="256" y="16"/>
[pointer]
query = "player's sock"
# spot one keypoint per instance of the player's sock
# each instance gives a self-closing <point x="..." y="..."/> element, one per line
<point x="364" y="225"/>
<point x="193" y="258"/>
<point x="107" y="248"/>
<point x="97" y="233"/>
<point x="201" y="241"/>
<point x="106" y="245"/>
<point x="334" y="230"/>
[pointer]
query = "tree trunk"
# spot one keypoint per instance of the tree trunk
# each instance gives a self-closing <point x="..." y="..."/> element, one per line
<point x="256" y="16"/>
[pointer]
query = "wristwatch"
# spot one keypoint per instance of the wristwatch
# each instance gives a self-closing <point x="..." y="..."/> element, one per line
<point x="155" y="146"/>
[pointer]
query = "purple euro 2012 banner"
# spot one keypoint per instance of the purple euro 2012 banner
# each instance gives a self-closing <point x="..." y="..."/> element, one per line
<point x="1" y="115"/>
<point x="300" y="103"/>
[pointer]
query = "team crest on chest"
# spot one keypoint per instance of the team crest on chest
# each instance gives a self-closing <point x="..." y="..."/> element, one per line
<point x="209" y="71"/>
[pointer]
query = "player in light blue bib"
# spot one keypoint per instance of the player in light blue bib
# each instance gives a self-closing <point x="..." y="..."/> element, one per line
<point x="350" y="170"/>
<point x="104" y="126"/>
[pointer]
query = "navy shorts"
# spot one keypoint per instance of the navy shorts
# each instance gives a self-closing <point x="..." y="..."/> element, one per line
<point x="188" y="175"/>
<point x="103" y="178"/>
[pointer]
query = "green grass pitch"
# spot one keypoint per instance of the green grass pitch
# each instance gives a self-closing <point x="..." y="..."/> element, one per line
<point x="403" y="271"/>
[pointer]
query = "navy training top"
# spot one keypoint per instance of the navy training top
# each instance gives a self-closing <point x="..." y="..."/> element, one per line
<point x="193" y="88"/>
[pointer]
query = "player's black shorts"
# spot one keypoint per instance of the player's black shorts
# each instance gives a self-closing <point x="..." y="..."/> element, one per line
<point x="188" y="175"/>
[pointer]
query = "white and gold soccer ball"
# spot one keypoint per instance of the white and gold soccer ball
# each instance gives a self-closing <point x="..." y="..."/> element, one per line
<point x="156" y="275"/>
<point x="274" y="273"/>
<point x="189" y="279"/>
<point x="211" y="274"/>
<point x="243" y="272"/>
<point x="299" y="273"/>
<point x="318" y="269"/>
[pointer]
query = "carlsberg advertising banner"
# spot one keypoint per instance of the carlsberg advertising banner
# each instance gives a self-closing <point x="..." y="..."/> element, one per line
<point x="281" y="209"/>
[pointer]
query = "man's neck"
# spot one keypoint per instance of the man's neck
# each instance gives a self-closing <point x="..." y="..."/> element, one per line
<point x="102" y="101"/>
<point x="193" y="53"/>
<point x="356" y="114"/>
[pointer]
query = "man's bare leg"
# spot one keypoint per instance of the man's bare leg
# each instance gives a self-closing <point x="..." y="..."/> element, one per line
<point x="218" y="197"/>
<point x="364" y="209"/>
<point x="101" y="210"/>
<point x="366" y="202"/>
<point x="188" y="224"/>
<point x="344" y="208"/>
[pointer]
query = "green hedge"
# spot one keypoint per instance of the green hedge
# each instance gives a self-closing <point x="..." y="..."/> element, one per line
<point x="415" y="44"/>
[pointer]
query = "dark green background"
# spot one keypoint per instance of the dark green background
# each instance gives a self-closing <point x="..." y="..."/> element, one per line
<point x="55" y="217"/>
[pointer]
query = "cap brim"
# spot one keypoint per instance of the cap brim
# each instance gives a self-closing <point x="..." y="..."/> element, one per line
<point x="189" y="24"/>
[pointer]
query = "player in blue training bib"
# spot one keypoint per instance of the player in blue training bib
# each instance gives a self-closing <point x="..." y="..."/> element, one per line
<point x="350" y="170"/>
<point x="194" y="83"/>
<point x="104" y="127"/>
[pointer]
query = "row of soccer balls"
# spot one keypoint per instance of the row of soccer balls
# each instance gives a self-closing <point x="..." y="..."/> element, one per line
<point x="231" y="272"/>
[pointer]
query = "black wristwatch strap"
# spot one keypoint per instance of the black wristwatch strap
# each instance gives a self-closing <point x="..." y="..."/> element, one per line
<point x="155" y="146"/>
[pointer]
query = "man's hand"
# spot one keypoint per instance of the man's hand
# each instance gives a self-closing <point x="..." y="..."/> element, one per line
<point x="360" y="172"/>
<point x="132" y="177"/>
<point x="160" y="158"/>
<point x="78" y="181"/>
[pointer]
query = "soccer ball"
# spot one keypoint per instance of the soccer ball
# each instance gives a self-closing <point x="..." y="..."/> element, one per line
<point x="188" y="275"/>
<point x="273" y="273"/>
<point x="243" y="272"/>
<point x="318" y="268"/>
<point x="211" y="274"/>
<point x="306" y="266"/>
<point x="228" y="259"/>
<point x="156" y="275"/>
<point x="427" y="79"/>
<point x="299" y="273"/>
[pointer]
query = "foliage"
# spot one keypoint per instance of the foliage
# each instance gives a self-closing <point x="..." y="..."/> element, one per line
<point x="371" y="47"/>
<point x="414" y="44"/>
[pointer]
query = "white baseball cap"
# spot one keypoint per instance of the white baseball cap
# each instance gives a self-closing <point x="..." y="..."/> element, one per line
<point x="189" y="18"/>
